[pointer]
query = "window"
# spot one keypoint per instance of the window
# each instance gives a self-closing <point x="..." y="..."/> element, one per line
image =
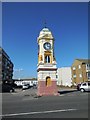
<point x="74" y="68"/>
<point x="88" y="66"/>
<point x="88" y="83"/>
<point x="47" y="59"/>
<point x="80" y="75"/>
<point x="79" y="66"/>
<point x="88" y="75"/>
<point x="84" y="84"/>
<point x="31" y="82"/>
<point x="56" y="76"/>
<point x="74" y="76"/>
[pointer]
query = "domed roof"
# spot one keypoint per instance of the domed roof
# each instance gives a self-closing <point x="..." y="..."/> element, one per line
<point x="45" y="30"/>
<point x="45" y="33"/>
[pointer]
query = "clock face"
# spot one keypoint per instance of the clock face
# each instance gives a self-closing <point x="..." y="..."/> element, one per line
<point x="47" y="46"/>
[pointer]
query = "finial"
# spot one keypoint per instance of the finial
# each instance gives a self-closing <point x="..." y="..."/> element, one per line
<point x="45" y="24"/>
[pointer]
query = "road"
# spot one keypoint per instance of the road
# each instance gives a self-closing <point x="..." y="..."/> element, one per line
<point x="70" y="104"/>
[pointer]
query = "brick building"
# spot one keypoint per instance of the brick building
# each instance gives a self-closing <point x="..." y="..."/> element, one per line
<point x="80" y="70"/>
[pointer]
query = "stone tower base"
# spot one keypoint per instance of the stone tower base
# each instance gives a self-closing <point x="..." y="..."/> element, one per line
<point x="44" y="90"/>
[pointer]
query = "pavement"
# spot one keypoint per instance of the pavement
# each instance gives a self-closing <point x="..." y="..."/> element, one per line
<point x="28" y="92"/>
<point x="33" y="92"/>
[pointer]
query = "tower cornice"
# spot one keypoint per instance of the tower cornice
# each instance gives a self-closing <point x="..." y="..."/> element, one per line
<point x="40" y="38"/>
<point x="46" y="69"/>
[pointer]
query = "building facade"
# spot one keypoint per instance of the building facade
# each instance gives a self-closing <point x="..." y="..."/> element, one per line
<point x="6" y="67"/>
<point x="64" y="76"/>
<point x="80" y="71"/>
<point x="46" y="68"/>
<point x="0" y="65"/>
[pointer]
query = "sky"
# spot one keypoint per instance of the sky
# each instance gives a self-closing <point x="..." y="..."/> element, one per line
<point x="22" y="23"/>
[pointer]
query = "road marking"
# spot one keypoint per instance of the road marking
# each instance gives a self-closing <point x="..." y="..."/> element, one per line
<point x="31" y="113"/>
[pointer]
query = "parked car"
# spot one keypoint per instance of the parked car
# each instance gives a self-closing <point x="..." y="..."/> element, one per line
<point x="78" y="86"/>
<point x="85" y="87"/>
<point x="7" y="88"/>
<point x="34" y="86"/>
<point x="25" y="86"/>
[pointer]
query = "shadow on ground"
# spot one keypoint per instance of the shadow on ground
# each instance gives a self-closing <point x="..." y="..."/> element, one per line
<point x="66" y="91"/>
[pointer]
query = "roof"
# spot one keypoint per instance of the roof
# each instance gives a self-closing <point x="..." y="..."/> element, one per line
<point x="84" y="60"/>
<point x="45" y="30"/>
<point x="45" y="33"/>
<point x="81" y="61"/>
<point x="2" y="51"/>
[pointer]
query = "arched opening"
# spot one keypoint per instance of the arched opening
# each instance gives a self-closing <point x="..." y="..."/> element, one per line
<point x="48" y="81"/>
<point x="47" y="59"/>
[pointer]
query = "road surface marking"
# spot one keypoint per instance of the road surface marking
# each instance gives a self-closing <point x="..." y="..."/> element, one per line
<point x="31" y="113"/>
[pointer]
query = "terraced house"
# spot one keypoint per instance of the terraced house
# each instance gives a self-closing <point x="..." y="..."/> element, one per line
<point x="80" y="71"/>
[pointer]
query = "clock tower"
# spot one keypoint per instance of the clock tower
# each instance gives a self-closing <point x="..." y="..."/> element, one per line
<point x="46" y="68"/>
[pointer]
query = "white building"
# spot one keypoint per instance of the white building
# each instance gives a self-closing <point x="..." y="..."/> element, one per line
<point x="64" y="76"/>
<point x="21" y="82"/>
